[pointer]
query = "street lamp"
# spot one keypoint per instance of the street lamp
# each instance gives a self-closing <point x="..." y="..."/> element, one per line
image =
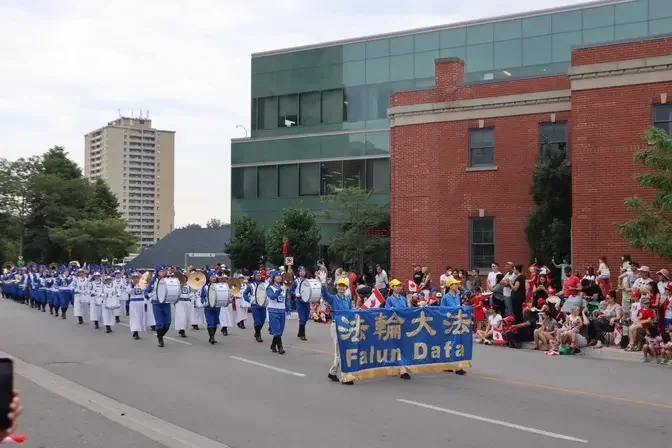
<point x="244" y="128"/>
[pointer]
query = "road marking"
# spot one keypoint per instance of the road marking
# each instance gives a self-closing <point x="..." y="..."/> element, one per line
<point x="161" y="431"/>
<point x="277" y="369"/>
<point x="165" y="337"/>
<point x="575" y="392"/>
<point x="494" y="422"/>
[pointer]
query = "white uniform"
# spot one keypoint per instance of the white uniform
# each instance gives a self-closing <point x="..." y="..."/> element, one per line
<point x="183" y="309"/>
<point x="121" y="285"/>
<point x="82" y="298"/>
<point x="111" y="304"/>
<point x="97" y="298"/>
<point x="137" y="319"/>
<point x="227" y="316"/>
<point x="197" y="311"/>
<point x="151" y="321"/>
<point x="241" y="308"/>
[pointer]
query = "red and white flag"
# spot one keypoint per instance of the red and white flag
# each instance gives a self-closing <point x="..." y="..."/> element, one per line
<point x="375" y="300"/>
<point x="412" y="287"/>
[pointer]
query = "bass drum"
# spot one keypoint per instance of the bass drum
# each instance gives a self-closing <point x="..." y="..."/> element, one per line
<point x="310" y="290"/>
<point x="218" y="295"/>
<point x="196" y="297"/>
<point x="168" y="290"/>
<point x="260" y="294"/>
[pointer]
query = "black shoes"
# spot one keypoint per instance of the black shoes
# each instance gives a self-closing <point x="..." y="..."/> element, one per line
<point x="212" y="332"/>
<point x="95" y="325"/>
<point x="182" y="334"/>
<point x="108" y="329"/>
<point x="257" y="334"/>
<point x="405" y="376"/>
<point x="241" y="325"/>
<point x="80" y="320"/>
<point x="276" y="345"/>
<point x="117" y="319"/>
<point x="195" y="327"/>
<point x="302" y="333"/>
<point x="136" y="336"/>
<point x="225" y="331"/>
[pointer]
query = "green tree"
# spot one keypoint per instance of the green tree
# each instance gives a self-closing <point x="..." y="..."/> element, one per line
<point x="92" y="240"/>
<point x="215" y="223"/>
<point x="16" y="189"/>
<point x="358" y="214"/>
<point x="102" y="203"/>
<point x="300" y="228"/>
<point x="192" y="226"/>
<point x="247" y="247"/>
<point x="59" y="192"/>
<point x="548" y="226"/>
<point x="651" y="229"/>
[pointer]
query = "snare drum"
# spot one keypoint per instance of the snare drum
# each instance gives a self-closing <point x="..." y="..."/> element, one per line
<point x="168" y="290"/>
<point x="260" y="298"/>
<point x="218" y="295"/>
<point x="310" y="290"/>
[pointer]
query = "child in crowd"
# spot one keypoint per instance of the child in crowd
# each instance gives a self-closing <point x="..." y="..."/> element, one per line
<point x="666" y="347"/>
<point x="642" y="321"/>
<point x="478" y="306"/>
<point x="603" y="276"/>
<point x="651" y="349"/>
<point x="545" y="334"/>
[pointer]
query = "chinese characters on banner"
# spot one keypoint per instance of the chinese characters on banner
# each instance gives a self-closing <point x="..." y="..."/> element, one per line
<point x="379" y="342"/>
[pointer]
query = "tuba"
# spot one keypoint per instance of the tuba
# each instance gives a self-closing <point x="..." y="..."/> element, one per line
<point x="287" y="278"/>
<point x="196" y="280"/>
<point x="53" y="266"/>
<point x="235" y="286"/>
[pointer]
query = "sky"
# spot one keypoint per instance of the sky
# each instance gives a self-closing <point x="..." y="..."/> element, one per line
<point x="69" y="66"/>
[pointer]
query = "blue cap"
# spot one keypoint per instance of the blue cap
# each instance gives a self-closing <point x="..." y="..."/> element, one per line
<point x="158" y="268"/>
<point x="274" y="274"/>
<point x="300" y="268"/>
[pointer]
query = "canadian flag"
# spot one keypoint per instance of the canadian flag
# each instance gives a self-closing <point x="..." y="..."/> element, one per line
<point x="375" y="300"/>
<point x="412" y="287"/>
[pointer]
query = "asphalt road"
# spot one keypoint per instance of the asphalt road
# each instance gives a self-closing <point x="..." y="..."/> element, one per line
<point x="82" y="387"/>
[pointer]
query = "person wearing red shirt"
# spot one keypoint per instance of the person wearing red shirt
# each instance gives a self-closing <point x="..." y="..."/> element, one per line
<point x="644" y="320"/>
<point x="571" y="282"/>
<point x="477" y="303"/>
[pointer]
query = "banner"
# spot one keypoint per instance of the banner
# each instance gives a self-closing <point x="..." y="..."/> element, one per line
<point x="378" y="342"/>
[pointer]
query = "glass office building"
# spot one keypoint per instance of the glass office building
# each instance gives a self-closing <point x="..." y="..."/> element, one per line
<point x="319" y="113"/>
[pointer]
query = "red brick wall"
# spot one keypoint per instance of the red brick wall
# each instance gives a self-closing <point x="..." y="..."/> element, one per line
<point x="622" y="51"/>
<point x="607" y="129"/>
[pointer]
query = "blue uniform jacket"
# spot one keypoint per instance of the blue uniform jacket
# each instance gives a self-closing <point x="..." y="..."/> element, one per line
<point x="336" y="302"/>
<point x="450" y="300"/>
<point x="396" y="302"/>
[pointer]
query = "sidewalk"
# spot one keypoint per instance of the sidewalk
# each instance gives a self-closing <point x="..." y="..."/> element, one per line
<point x="612" y="353"/>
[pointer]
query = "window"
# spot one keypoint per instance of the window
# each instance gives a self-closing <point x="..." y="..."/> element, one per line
<point x="331" y="177"/>
<point x="267" y="181"/>
<point x="378" y="175"/>
<point x="354" y="104"/>
<point x="662" y="117"/>
<point x="288" y="111"/>
<point x="481" y="147"/>
<point x="237" y="180"/>
<point x="310" y="108"/>
<point x="249" y="182"/>
<point x="552" y="137"/>
<point x="332" y="106"/>
<point x="267" y="113"/>
<point x="482" y="236"/>
<point x="309" y="179"/>
<point x="378" y="99"/>
<point x="288" y="181"/>
<point x="353" y="173"/>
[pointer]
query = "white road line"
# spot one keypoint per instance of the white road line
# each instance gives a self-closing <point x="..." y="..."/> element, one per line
<point x="161" y="431"/>
<point x="494" y="422"/>
<point x="165" y="337"/>
<point x="277" y="369"/>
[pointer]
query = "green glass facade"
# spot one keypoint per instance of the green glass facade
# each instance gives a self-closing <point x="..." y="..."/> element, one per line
<point x="316" y="107"/>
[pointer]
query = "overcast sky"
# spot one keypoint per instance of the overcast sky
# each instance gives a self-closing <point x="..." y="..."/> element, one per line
<point x="68" y="66"/>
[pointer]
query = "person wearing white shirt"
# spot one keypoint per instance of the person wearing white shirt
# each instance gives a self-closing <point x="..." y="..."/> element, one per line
<point x="381" y="280"/>
<point x="492" y="275"/>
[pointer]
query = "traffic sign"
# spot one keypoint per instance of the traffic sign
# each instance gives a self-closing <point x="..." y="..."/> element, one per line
<point x="289" y="261"/>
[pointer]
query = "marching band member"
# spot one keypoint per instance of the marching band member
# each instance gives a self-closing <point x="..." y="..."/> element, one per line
<point x="277" y="311"/>
<point x="64" y="294"/>
<point x="111" y="303"/>
<point x="211" y="313"/>
<point x="81" y="307"/>
<point x="120" y="284"/>
<point x="162" y="313"/>
<point x="136" y="306"/>
<point x="149" y="314"/>
<point x="258" y="312"/>
<point x="242" y="305"/>
<point x="197" y="317"/>
<point x="302" y="308"/>
<point x="336" y="302"/>
<point x="226" y="313"/>
<point x="183" y="309"/>
<point x="52" y="292"/>
<point x="36" y="290"/>
<point x="97" y="298"/>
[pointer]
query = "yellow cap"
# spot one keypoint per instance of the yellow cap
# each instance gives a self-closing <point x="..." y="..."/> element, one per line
<point x="394" y="283"/>
<point x="452" y="281"/>
<point x="342" y="281"/>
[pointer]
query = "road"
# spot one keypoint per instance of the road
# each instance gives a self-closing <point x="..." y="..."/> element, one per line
<point x="82" y="387"/>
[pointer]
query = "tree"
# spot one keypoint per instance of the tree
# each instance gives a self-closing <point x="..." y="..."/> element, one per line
<point x="299" y="226"/>
<point x="192" y="226"/>
<point x="651" y="229"/>
<point x="360" y="217"/>
<point x="102" y="203"/>
<point x="548" y="226"/>
<point x="92" y="240"/>
<point x="215" y="223"/>
<point x="16" y="181"/>
<point x="247" y="247"/>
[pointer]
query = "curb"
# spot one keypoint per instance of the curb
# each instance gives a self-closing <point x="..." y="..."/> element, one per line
<point x="614" y="354"/>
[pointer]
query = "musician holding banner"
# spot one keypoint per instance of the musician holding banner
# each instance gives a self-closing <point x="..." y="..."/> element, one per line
<point x="277" y="310"/>
<point x="336" y="302"/>
<point x="302" y="307"/>
<point x="256" y="288"/>
<point x="161" y="310"/>
<point x="398" y="301"/>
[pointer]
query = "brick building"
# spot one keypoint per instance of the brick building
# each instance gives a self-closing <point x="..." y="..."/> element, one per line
<point x="462" y="155"/>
